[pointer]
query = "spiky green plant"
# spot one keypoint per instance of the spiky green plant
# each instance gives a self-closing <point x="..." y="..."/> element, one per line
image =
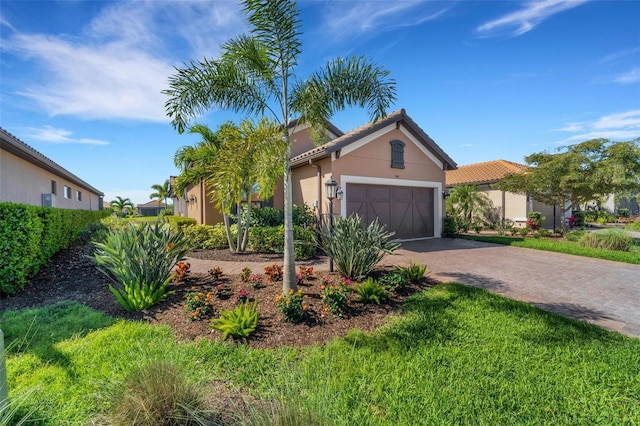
<point x="370" y="290"/>
<point x="139" y="260"/>
<point x="356" y="249"/>
<point x="414" y="272"/>
<point x="237" y="323"/>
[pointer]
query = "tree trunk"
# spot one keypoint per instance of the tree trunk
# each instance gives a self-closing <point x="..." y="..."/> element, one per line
<point x="239" y="226"/>
<point x="227" y="229"/>
<point x="289" y="280"/>
<point x="247" y="225"/>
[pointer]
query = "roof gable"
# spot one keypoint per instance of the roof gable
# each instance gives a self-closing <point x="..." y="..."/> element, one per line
<point x="361" y="135"/>
<point x="487" y="172"/>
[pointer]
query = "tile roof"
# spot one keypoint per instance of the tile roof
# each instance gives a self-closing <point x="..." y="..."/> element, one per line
<point x="366" y="129"/>
<point x="487" y="172"/>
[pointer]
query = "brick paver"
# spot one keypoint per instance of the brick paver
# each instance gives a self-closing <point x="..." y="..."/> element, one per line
<point x="598" y="291"/>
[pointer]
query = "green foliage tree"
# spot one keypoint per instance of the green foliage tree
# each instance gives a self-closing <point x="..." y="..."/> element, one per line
<point x="256" y="75"/>
<point x="579" y="173"/>
<point x="162" y="192"/>
<point x="194" y="161"/>
<point x="467" y="203"/>
<point x="122" y="205"/>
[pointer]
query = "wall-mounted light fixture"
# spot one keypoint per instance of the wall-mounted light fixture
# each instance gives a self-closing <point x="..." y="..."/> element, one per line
<point x="446" y="194"/>
<point x="191" y="199"/>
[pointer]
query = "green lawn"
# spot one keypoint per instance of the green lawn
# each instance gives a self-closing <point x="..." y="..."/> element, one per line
<point x="457" y="355"/>
<point x="566" y="247"/>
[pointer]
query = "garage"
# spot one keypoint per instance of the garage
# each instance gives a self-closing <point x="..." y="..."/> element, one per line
<point x="407" y="211"/>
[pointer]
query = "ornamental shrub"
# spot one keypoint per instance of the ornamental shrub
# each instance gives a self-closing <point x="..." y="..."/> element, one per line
<point x="292" y="306"/>
<point x="208" y="237"/>
<point x="139" y="261"/>
<point x="614" y="239"/>
<point x="30" y="235"/>
<point x="355" y="249"/>
<point x="238" y="323"/>
<point x="271" y="240"/>
<point x="449" y="228"/>
<point x="370" y="290"/>
<point x="588" y="239"/>
<point x="534" y="220"/>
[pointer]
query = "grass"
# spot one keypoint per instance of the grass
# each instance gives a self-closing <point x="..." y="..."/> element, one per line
<point x="457" y="355"/>
<point x="566" y="247"/>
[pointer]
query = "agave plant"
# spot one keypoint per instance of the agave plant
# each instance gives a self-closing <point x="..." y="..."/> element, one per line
<point x="356" y="249"/>
<point x="139" y="260"/>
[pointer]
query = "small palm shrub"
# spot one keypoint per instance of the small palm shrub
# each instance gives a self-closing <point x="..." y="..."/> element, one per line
<point x="370" y="290"/>
<point x="238" y="323"/>
<point x="157" y="394"/>
<point x="355" y="249"/>
<point x="139" y="260"/>
<point x="414" y="272"/>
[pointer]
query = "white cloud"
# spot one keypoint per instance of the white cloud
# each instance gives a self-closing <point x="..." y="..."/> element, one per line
<point x="527" y="18"/>
<point x="54" y="135"/>
<point x="120" y="65"/>
<point x="346" y="19"/>
<point x="632" y="76"/>
<point x="619" y="126"/>
<point x="614" y="57"/>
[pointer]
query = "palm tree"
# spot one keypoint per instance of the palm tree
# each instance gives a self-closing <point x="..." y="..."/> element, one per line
<point x="120" y="205"/>
<point x="162" y="192"/>
<point x="194" y="161"/>
<point x="256" y="75"/>
<point x="468" y="202"/>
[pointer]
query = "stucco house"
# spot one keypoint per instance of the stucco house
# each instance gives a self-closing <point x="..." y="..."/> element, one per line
<point x="390" y="170"/>
<point x="28" y="177"/>
<point x="151" y="208"/>
<point x="507" y="205"/>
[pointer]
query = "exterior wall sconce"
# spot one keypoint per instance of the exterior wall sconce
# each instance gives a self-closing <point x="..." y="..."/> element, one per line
<point x="333" y="191"/>
<point x="446" y="194"/>
<point x="191" y="200"/>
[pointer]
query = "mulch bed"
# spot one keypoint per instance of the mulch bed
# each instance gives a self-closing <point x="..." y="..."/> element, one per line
<point x="71" y="275"/>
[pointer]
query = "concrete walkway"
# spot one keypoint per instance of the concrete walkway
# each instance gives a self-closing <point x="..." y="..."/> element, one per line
<point x="598" y="291"/>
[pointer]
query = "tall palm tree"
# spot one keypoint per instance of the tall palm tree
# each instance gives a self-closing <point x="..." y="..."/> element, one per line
<point x="256" y="75"/>
<point x="162" y="192"/>
<point x="194" y="161"/>
<point x="120" y="205"/>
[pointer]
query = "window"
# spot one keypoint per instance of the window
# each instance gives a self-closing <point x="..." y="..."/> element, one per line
<point x="78" y="195"/>
<point x="54" y="187"/>
<point x="397" y="154"/>
<point x="67" y="192"/>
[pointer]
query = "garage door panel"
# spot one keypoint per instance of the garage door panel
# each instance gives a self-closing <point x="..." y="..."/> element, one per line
<point x="407" y="211"/>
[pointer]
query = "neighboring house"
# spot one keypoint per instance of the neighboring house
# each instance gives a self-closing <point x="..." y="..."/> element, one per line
<point x="152" y="208"/>
<point x="28" y="177"/>
<point x="507" y="205"/>
<point x="390" y="170"/>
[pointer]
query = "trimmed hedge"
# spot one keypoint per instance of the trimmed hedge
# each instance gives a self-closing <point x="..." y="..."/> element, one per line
<point x="271" y="240"/>
<point x="30" y="235"/>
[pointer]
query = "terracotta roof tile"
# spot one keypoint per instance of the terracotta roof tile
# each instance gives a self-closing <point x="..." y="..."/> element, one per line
<point x="488" y="172"/>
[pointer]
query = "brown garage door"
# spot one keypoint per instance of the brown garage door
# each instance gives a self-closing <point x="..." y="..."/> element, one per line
<point x="407" y="211"/>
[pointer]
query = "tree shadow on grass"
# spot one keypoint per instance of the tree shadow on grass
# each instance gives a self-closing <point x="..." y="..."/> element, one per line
<point x="37" y="331"/>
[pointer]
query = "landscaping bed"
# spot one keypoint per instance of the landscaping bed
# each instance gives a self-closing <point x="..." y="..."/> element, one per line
<point x="71" y="275"/>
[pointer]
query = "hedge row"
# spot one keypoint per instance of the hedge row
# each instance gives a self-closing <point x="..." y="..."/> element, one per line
<point x="30" y="235"/>
<point x="262" y="239"/>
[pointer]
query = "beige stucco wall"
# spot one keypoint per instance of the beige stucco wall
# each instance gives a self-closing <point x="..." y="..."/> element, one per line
<point x="203" y="210"/>
<point x="23" y="182"/>
<point x="301" y="141"/>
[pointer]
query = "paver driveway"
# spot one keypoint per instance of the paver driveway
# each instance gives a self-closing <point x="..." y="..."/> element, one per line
<point x="599" y="291"/>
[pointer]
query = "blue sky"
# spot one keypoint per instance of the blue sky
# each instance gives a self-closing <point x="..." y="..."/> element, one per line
<point x="81" y="81"/>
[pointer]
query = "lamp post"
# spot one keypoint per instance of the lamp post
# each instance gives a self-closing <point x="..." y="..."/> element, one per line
<point x="331" y="189"/>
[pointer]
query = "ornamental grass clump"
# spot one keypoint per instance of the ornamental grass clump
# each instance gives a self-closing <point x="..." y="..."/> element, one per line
<point x="370" y="290"/>
<point x="355" y="249"/>
<point x="158" y="394"/>
<point x="139" y="260"/>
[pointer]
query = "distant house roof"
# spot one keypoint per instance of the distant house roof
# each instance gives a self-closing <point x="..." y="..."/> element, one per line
<point x="15" y="146"/>
<point x="487" y="172"/>
<point x="150" y="204"/>
<point x="398" y="117"/>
